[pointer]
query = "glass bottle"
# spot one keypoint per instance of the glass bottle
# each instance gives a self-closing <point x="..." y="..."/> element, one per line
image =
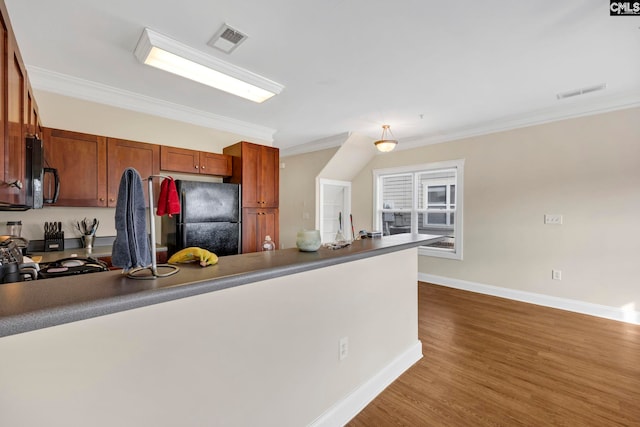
<point x="268" y="244"/>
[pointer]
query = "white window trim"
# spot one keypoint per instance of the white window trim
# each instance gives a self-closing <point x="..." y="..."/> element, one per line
<point x="458" y="234"/>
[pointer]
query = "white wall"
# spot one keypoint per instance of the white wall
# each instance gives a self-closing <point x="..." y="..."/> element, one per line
<point x="587" y="169"/>
<point x="62" y="112"/>
<point x="298" y="193"/>
<point x="263" y="354"/>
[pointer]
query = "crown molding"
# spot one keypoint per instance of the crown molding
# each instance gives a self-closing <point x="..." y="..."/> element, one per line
<point x="600" y="105"/>
<point x="317" y="145"/>
<point x="50" y="81"/>
<point x="570" y="110"/>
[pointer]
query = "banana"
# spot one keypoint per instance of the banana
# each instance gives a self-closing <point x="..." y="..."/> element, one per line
<point x="194" y="254"/>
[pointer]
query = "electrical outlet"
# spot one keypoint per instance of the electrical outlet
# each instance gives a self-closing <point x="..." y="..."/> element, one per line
<point x="344" y="348"/>
<point x="556" y="274"/>
<point x="553" y="219"/>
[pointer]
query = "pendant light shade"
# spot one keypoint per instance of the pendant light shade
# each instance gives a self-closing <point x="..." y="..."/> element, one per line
<point x="386" y="142"/>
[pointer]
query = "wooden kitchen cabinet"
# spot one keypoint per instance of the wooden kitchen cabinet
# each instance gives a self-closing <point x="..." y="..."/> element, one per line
<point x="256" y="168"/>
<point x="122" y="154"/>
<point x="215" y="164"/>
<point x="91" y="166"/>
<point x="256" y="225"/>
<point x="176" y="159"/>
<point x="33" y="125"/>
<point x="81" y="161"/>
<point x="18" y="114"/>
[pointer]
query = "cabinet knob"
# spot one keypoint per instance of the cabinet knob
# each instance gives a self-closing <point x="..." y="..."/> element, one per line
<point x="196" y="166"/>
<point x="101" y="199"/>
<point x="112" y="200"/>
<point x="202" y="167"/>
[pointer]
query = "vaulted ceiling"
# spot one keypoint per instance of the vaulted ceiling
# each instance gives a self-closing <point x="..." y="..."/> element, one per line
<point x="433" y="70"/>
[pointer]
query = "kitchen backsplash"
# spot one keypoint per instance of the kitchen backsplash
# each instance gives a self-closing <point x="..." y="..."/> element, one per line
<point x="33" y="221"/>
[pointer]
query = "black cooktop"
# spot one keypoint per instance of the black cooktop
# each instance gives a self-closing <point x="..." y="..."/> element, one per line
<point x="71" y="267"/>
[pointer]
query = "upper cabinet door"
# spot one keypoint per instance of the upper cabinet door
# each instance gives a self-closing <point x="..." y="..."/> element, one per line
<point x="215" y="164"/>
<point x="15" y="142"/>
<point x="270" y="177"/>
<point x="33" y="118"/>
<point x="123" y="154"/>
<point x="251" y="176"/>
<point x="256" y="167"/>
<point x="176" y="159"/>
<point x="16" y="102"/>
<point x="179" y="159"/>
<point x="81" y="161"/>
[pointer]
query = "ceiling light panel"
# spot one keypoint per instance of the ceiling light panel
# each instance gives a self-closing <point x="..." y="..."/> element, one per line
<point x="162" y="52"/>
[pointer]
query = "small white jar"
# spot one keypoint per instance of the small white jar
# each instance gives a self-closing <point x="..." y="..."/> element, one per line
<point x="308" y="240"/>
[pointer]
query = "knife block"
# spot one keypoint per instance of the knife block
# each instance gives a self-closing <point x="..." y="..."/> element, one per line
<point x="54" y="241"/>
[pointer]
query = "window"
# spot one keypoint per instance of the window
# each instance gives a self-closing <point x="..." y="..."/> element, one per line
<point x="425" y="199"/>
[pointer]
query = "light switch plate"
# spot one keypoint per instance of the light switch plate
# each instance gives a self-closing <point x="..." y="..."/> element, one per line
<point x="553" y="219"/>
<point x="344" y="348"/>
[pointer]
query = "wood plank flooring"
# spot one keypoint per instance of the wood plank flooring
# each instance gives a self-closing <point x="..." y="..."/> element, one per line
<point x="494" y="362"/>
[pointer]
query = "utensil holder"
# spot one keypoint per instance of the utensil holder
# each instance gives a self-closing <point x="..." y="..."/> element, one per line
<point x="87" y="241"/>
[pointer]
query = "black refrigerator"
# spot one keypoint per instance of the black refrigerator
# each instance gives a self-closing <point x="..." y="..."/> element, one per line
<point x="209" y="218"/>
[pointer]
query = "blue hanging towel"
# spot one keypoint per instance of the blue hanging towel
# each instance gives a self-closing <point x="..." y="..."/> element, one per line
<point x="131" y="247"/>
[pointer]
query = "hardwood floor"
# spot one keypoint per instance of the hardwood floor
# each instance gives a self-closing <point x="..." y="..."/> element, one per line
<point x="494" y="362"/>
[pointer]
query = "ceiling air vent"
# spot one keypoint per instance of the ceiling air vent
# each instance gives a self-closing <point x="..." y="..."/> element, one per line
<point x="581" y="91"/>
<point x="227" y="39"/>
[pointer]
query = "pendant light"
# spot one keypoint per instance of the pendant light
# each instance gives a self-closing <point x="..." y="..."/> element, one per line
<point x="384" y="144"/>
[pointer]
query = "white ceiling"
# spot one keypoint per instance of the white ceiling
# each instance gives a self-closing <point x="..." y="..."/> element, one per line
<point x="433" y="70"/>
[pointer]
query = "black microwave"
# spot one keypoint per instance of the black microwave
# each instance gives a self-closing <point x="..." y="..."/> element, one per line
<point x="35" y="173"/>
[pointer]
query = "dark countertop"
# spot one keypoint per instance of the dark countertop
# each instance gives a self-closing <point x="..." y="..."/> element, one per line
<point x="27" y="306"/>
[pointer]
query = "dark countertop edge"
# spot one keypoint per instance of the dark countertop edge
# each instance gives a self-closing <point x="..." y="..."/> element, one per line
<point x="34" y="320"/>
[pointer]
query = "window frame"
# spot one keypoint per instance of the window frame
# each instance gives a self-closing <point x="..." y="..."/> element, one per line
<point x="447" y="208"/>
<point x="416" y="170"/>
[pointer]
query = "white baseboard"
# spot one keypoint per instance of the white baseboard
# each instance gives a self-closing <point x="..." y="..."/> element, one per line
<point x="343" y="411"/>
<point x="613" y="313"/>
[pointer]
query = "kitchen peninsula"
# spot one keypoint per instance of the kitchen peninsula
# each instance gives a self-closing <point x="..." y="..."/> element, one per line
<point x="270" y="338"/>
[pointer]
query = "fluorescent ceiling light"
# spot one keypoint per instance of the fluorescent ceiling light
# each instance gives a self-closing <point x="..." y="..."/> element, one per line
<point x="170" y="55"/>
